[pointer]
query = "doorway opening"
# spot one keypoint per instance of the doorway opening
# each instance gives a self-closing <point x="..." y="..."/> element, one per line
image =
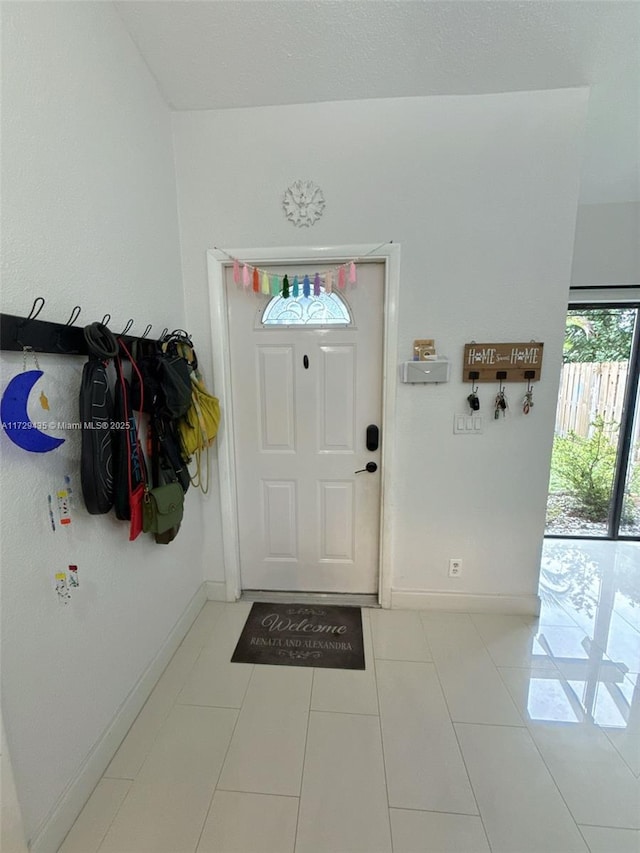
<point x="594" y="487"/>
<point x="270" y="350"/>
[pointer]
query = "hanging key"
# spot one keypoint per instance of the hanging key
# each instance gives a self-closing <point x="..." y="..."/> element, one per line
<point x="501" y="405"/>
<point x="474" y="402"/>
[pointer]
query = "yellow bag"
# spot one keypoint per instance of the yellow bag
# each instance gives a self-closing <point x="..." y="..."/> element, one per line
<point x="199" y="427"/>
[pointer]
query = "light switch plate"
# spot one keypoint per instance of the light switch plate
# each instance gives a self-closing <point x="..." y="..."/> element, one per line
<point x="468" y="424"/>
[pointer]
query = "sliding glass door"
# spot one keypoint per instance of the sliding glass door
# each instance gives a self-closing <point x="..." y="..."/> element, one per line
<point x="594" y="488"/>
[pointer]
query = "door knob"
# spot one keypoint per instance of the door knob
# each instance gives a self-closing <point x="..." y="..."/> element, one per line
<point x="370" y="467"/>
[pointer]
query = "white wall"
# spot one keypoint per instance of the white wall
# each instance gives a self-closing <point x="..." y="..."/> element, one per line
<point x="90" y="218"/>
<point x="607" y="245"/>
<point x="481" y="193"/>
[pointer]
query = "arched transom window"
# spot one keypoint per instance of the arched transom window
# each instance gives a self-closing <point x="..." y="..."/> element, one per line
<point x="326" y="309"/>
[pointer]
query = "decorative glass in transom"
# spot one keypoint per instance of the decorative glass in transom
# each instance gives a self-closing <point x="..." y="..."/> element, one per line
<point x="322" y="310"/>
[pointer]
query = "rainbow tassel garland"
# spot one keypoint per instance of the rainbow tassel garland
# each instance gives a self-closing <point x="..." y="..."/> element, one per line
<point x="263" y="282"/>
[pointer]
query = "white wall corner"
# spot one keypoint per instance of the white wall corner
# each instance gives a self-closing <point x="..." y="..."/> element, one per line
<point x="219" y="591"/>
<point x="459" y="602"/>
<point x="11" y="828"/>
<point x="69" y="805"/>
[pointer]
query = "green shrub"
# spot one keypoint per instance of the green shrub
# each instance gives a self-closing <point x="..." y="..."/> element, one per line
<point x="585" y="468"/>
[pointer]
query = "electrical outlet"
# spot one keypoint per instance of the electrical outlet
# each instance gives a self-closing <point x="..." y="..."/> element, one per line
<point x="455" y="567"/>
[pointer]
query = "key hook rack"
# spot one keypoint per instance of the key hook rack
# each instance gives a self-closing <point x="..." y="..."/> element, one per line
<point x="44" y="336"/>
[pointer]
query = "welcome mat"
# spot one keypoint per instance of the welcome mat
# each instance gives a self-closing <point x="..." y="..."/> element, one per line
<point x="302" y="635"/>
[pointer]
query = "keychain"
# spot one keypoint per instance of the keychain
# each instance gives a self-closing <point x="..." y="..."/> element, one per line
<point x="527" y="403"/>
<point x="472" y="399"/>
<point x="501" y="404"/>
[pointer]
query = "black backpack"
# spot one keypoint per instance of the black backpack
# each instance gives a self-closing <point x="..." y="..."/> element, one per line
<point x="167" y="383"/>
<point x="96" y="415"/>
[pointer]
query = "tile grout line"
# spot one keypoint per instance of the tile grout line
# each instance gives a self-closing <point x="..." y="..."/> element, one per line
<point x="539" y="751"/>
<point x="117" y="811"/>
<point x="553" y="778"/>
<point x="618" y="753"/>
<point x="255" y="793"/>
<point x="304" y="759"/>
<point x="455" y="734"/>
<point x="160" y="728"/>
<point x="384" y="760"/>
<point x="548" y="769"/>
<point x="466" y="770"/>
<point x="435" y="811"/>
<point x="614" y="745"/>
<point x="226" y="753"/>
<point x="222" y="763"/>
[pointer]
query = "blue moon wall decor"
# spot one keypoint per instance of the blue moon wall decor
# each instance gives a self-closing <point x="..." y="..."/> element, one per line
<point x="15" y="419"/>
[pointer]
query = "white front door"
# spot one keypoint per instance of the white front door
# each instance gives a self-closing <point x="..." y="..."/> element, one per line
<point x="303" y="398"/>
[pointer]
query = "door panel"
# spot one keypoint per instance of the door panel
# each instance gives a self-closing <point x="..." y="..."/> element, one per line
<point x="336" y="506"/>
<point x="303" y="399"/>
<point x="337" y="402"/>
<point x="277" y="405"/>
<point x="280" y="522"/>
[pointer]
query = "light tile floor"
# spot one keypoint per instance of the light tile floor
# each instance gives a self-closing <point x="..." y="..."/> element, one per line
<point x="466" y="732"/>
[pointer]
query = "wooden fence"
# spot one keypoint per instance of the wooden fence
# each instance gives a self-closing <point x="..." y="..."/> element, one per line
<point x="588" y="390"/>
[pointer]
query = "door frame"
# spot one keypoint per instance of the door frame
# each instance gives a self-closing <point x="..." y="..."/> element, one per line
<point x="217" y="262"/>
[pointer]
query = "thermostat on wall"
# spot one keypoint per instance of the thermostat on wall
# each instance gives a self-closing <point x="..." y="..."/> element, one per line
<point x="434" y="370"/>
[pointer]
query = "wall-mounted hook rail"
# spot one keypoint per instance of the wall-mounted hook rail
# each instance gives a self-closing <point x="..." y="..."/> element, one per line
<point x="18" y="333"/>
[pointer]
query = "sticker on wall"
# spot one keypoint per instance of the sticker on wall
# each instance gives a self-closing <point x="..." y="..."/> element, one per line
<point x="64" y="507"/>
<point x="62" y="588"/>
<point x="73" y="577"/>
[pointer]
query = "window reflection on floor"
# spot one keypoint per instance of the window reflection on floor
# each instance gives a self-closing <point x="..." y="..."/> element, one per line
<point x="589" y="628"/>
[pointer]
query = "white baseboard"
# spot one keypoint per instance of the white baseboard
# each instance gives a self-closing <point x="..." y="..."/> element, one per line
<point x="414" y="599"/>
<point x="217" y="591"/>
<point x="63" y="815"/>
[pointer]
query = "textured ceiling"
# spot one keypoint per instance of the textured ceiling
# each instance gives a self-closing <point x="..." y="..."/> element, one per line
<point x="210" y="54"/>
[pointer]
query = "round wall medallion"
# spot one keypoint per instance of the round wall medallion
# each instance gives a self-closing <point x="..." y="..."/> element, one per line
<point x="303" y="203"/>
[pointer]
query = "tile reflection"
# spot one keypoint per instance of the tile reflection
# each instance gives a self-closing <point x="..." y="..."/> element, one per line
<point x="589" y="629"/>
